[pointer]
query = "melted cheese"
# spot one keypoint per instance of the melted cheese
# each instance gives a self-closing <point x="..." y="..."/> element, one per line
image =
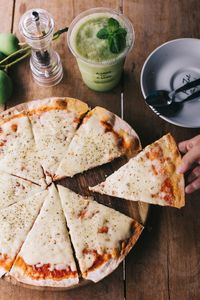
<point x="87" y="221"/>
<point x="48" y="241"/>
<point x="90" y="147"/>
<point x="16" y="221"/>
<point x="141" y="179"/>
<point x="13" y="189"/>
<point x="18" y="154"/>
<point x="53" y="131"/>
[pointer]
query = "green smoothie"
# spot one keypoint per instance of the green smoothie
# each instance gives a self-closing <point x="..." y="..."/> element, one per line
<point x="100" y="68"/>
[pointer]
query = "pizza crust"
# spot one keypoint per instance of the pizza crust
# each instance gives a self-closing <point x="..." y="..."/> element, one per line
<point x="56" y="103"/>
<point x="177" y="179"/>
<point x="13" y="112"/>
<point x="18" y="275"/>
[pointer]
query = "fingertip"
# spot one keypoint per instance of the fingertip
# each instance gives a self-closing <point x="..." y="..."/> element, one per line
<point x="188" y="190"/>
<point x="182" y="146"/>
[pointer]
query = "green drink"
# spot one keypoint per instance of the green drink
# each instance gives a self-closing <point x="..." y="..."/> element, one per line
<point x="100" y="67"/>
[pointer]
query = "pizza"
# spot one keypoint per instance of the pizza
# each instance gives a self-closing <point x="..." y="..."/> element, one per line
<point x="13" y="189"/>
<point x="101" y="137"/>
<point x="54" y="122"/>
<point x="16" y="221"/>
<point x="18" y="154"/>
<point x="150" y="177"/>
<point x="46" y="257"/>
<point x="51" y="236"/>
<point x="101" y="236"/>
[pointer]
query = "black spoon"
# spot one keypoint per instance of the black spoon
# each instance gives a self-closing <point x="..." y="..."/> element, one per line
<point x="163" y="98"/>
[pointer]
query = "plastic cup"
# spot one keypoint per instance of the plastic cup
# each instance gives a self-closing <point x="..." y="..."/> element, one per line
<point x="99" y="72"/>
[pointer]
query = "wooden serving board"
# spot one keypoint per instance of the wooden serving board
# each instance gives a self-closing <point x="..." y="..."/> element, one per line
<point x="79" y="184"/>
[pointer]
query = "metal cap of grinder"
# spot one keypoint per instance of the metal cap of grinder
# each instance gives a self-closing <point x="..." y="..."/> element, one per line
<point x="37" y="26"/>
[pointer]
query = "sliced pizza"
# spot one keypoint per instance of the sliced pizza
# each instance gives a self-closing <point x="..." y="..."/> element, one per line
<point x="150" y="177"/>
<point x="16" y="221"/>
<point x="18" y="154"/>
<point x="54" y="122"/>
<point x="13" y="189"/>
<point x="46" y="257"/>
<point x="101" y="236"/>
<point x="101" y="137"/>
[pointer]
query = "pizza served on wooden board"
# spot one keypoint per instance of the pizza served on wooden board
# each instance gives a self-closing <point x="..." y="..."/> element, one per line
<point x="18" y="154"/>
<point x="13" y="189"/>
<point x="16" y="221"/>
<point x="101" y="137"/>
<point x="46" y="257"/>
<point x="54" y="122"/>
<point x="101" y="236"/>
<point x="150" y="176"/>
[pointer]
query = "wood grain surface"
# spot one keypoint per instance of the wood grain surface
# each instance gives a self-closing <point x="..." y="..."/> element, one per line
<point x="164" y="264"/>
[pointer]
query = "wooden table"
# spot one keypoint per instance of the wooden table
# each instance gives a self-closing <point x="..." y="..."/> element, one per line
<point x="165" y="263"/>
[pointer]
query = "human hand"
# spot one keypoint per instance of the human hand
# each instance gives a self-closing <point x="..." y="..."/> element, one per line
<point x="191" y="162"/>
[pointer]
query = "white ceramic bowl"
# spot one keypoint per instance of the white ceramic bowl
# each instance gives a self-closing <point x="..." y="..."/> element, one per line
<point x="168" y="67"/>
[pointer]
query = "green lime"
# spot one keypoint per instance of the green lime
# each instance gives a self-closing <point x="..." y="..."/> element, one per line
<point x="9" y="43"/>
<point x="2" y="56"/>
<point x="6" y="87"/>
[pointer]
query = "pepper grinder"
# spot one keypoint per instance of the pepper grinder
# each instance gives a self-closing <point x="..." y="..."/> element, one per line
<point x="37" y="26"/>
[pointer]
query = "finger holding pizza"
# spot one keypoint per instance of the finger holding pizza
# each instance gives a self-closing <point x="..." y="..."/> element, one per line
<point x="191" y="162"/>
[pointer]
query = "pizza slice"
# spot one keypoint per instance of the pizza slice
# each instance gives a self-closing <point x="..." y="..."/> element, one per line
<point x="101" y="137"/>
<point x="18" y="154"/>
<point x="16" y="221"/>
<point x="46" y="257"/>
<point x="101" y="236"/>
<point x="150" y="176"/>
<point x="13" y="189"/>
<point x="54" y="122"/>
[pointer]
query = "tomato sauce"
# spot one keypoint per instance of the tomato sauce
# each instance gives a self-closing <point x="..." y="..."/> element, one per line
<point x="44" y="271"/>
<point x="100" y="259"/>
<point x="167" y="188"/>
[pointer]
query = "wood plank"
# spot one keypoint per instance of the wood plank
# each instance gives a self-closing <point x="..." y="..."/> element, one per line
<point x="72" y="85"/>
<point x="165" y="262"/>
<point x="6" y="19"/>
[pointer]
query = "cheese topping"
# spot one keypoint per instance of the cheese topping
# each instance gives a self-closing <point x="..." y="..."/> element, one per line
<point x="146" y="177"/>
<point x="91" y="146"/>
<point x="48" y="241"/>
<point x="94" y="228"/>
<point x="16" y="221"/>
<point x="18" y="154"/>
<point x="53" y="131"/>
<point x="13" y="189"/>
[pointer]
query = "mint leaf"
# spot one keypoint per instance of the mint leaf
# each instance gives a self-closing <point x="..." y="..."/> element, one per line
<point x="121" y="36"/>
<point x="121" y="31"/>
<point x="114" y="44"/>
<point x="115" y="34"/>
<point x="113" y="25"/>
<point x="103" y="33"/>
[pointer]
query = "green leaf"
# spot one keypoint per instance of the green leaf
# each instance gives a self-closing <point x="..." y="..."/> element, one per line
<point x="103" y="33"/>
<point x="121" y="31"/>
<point x="114" y="44"/>
<point x="115" y="34"/>
<point x="113" y="25"/>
